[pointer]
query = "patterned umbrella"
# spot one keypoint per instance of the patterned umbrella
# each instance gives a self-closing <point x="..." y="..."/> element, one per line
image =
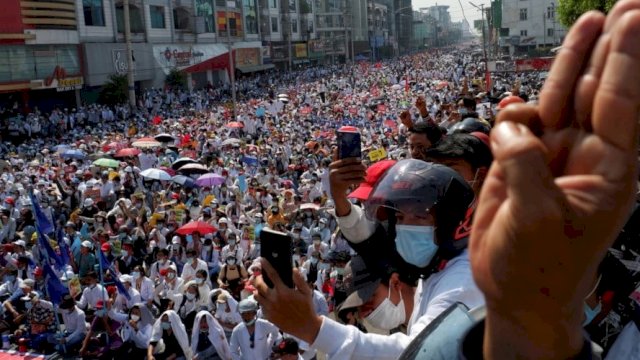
<point x="146" y="142"/>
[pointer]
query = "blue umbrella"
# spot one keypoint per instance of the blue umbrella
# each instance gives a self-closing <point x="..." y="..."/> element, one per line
<point x="74" y="154"/>
<point x="184" y="181"/>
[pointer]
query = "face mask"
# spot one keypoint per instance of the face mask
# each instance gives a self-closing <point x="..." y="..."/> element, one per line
<point x="231" y="262"/>
<point x="415" y="244"/>
<point x="298" y="224"/>
<point x="191" y="296"/>
<point x="250" y="322"/>
<point x="135" y="317"/>
<point x="339" y="270"/>
<point x="207" y="248"/>
<point x="296" y="236"/>
<point x="204" y="330"/>
<point x="189" y="239"/>
<point x="28" y="305"/>
<point x="171" y="276"/>
<point x="100" y="313"/>
<point x="387" y="316"/>
<point x="135" y="275"/>
<point x="232" y="242"/>
<point x="138" y="206"/>
<point x="165" y="325"/>
<point x="321" y="226"/>
<point x="9" y="278"/>
<point x="199" y="281"/>
<point x="463" y="111"/>
<point x="189" y="258"/>
<point x="324" y="266"/>
<point x="590" y="313"/>
<point x="314" y="261"/>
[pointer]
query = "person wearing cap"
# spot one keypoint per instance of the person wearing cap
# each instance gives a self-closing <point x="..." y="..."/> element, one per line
<point x="122" y="303"/>
<point x="323" y="230"/>
<point x="232" y="249"/>
<point x="8" y="230"/>
<point x="275" y="216"/>
<point x="232" y="275"/>
<point x="38" y="315"/>
<point x="89" y="208"/>
<point x="93" y="293"/>
<point x="72" y="238"/>
<point x="85" y="261"/>
<point x="319" y="246"/>
<point x="75" y="327"/>
<point x="127" y="261"/>
<point x="101" y="322"/>
<point x="226" y="312"/>
<point x="253" y="337"/>
<point x="169" y="287"/>
<point x="10" y="282"/>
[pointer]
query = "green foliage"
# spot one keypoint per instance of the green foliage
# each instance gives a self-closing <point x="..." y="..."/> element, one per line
<point x="570" y="10"/>
<point x="114" y="91"/>
<point x="305" y="7"/>
<point x="176" y="79"/>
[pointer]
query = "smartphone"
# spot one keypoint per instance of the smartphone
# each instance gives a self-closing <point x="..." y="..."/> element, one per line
<point x="275" y="246"/>
<point x="349" y="144"/>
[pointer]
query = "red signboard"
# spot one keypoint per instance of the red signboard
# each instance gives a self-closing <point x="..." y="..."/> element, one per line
<point x="535" y="64"/>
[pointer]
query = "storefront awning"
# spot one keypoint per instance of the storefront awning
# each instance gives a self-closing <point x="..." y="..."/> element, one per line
<point x="220" y="62"/>
<point x="254" y="68"/>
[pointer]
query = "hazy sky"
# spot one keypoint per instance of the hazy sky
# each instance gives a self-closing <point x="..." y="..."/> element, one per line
<point x="454" y="8"/>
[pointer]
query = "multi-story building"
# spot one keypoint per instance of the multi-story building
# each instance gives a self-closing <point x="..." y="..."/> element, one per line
<point x="39" y="53"/>
<point x="529" y="24"/>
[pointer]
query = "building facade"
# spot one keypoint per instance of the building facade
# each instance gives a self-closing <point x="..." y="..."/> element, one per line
<point x="529" y="24"/>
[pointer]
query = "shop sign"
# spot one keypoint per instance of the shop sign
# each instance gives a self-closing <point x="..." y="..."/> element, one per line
<point x="179" y="57"/>
<point x="60" y="81"/>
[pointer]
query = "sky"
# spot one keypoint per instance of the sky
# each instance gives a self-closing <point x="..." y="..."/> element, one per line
<point x="454" y="8"/>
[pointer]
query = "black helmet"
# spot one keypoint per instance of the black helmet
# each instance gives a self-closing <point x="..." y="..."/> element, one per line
<point x="421" y="187"/>
<point x="470" y="125"/>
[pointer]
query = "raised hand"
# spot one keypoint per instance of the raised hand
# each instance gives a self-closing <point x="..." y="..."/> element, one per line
<point x="560" y="189"/>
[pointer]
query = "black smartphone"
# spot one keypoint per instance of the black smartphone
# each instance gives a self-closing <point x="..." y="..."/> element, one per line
<point x="275" y="246"/>
<point x="349" y="144"/>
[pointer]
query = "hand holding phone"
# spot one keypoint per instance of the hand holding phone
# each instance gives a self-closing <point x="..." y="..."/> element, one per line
<point x="275" y="246"/>
<point x="349" y="143"/>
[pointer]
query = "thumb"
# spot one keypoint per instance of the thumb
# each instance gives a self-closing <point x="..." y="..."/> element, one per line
<point x="521" y="157"/>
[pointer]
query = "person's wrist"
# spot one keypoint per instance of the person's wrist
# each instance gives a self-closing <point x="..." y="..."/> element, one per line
<point x="532" y="333"/>
<point x="312" y="331"/>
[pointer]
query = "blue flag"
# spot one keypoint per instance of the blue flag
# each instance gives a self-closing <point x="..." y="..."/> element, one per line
<point x="53" y="257"/>
<point x="41" y="219"/>
<point x="64" y="248"/>
<point x="250" y="160"/>
<point x="106" y="265"/>
<point x="55" y="288"/>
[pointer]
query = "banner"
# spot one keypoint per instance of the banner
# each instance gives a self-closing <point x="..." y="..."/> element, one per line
<point x="377" y="155"/>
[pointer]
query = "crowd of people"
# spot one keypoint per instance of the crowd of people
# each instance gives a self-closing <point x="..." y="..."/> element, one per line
<point x="138" y="232"/>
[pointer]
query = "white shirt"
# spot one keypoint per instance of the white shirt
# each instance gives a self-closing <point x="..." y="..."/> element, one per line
<point x="265" y="335"/>
<point x="237" y="252"/>
<point x="91" y="295"/>
<point x="145" y="288"/>
<point x="189" y="273"/>
<point x="433" y="296"/>
<point x="122" y="302"/>
<point x="74" y="322"/>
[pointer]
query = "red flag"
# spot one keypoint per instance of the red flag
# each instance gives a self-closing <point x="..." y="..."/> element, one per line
<point x="406" y="85"/>
<point x="487" y="80"/>
<point x="157" y="120"/>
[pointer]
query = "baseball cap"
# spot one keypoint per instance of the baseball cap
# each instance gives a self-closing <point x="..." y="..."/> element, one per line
<point x="27" y="284"/>
<point x="20" y="243"/>
<point x="87" y="244"/>
<point x="360" y="283"/>
<point x="105" y="247"/>
<point x="287" y="346"/>
<point x="247" y="305"/>
<point x="374" y="173"/>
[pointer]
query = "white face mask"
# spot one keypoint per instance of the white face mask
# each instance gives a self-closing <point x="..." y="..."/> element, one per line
<point x="135" y="317"/>
<point x="191" y="296"/>
<point x="387" y="316"/>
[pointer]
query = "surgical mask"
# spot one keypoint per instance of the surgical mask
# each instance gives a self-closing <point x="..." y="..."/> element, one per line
<point x="199" y="281"/>
<point x="204" y="330"/>
<point x="321" y="226"/>
<point x="28" y="305"/>
<point x="250" y="322"/>
<point x="171" y="276"/>
<point x="316" y="242"/>
<point x="298" y="224"/>
<point x="189" y="239"/>
<point x="135" y="317"/>
<point x="416" y="244"/>
<point x="339" y="270"/>
<point x="100" y="313"/>
<point x="324" y="266"/>
<point x="473" y="182"/>
<point x="207" y="248"/>
<point x="463" y="111"/>
<point x="296" y="236"/>
<point x="387" y="316"/>
<point x="590" y="313"/>
<point x="191" y="296"/>
<point x="231" y="262"/>
<point x="314" y="260"/>
<point x="232" y="242"/>
<point x="135" y="275"/>
<point x="138" y="206"/>
<point x="165" y="325"/>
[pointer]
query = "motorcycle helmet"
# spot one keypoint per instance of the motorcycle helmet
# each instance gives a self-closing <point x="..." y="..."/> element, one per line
<point x="470" y="125"/>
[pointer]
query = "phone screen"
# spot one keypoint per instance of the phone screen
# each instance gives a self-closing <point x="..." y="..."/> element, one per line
<point x="275" y="246"/>
<point x="349" y="145"/>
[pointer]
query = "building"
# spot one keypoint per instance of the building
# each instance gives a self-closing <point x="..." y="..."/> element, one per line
<point x="379" y="26"/>
<point x="403" y="26"/>
<point x="39" y="54"/>
<point x="529" y="24"/>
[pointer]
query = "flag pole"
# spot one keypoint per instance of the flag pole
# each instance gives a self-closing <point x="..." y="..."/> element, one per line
<point x="99" y="258"/>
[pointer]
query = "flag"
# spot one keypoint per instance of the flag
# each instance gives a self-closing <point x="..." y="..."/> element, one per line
<point x="250" y="160"/>
<point x="84" y="232"/>
<point x="54" y="258"/>
<point x="62" y="245"/>
<point x="41" y="219"/>
<point x="106" y="265"/>
<point x="55" y="288"/>
<point x="487" y="81"/>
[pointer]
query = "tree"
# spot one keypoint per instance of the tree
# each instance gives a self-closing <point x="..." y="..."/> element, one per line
<point x="570" y="10"/>
<point x="176" y="79"/>
<point x="114" y="91"/>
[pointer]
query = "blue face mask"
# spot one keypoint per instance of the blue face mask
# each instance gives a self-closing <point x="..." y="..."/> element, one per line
<point x="416" y="244"/>
<point x="590" y="313"/>
<point x="100" y="313"/>
<point x="165" y="325"/>
<point x="189" y="239"/>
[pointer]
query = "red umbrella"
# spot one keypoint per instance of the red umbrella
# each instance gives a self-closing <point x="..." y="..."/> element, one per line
<point x="200" y="227"/>
<point x="127" y="152"/>
<point x="235" y="125"/>
<point x="168" y="170"/>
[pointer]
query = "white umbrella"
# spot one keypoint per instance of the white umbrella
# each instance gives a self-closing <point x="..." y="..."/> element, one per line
<point x="156" y="174"/>
<point x="231" y="141"/>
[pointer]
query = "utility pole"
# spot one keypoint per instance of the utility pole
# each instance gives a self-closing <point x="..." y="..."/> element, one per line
<point x="127" y="39"/>
<point x="484" y="43"/>
<point x="232" y="67"/>
<point x="553" y="20"/>
<point x="544" y="26"/>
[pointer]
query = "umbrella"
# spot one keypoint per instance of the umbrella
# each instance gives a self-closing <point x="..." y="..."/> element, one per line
<point x="164" y="138"/>
<point x="194" y="169"/>
<point x="74" y="154"/>
<point x="61" y="147"/>
<point x="104" y="162"/>
<point x="116" y="145"/>
<point x="235" y="125"/>
<point x="146" y="142"/>
<point x="209" y="180"/>
<point x="168" y="170"/>
<point x="182" y="162"/>
<point x="155" y="174"/>
<point x="127" y="152"/>
<point x="311" y="206"/>
<point x="196" y="226"/>
<point x="231" y="141"/>
<point x="184" y="181"/>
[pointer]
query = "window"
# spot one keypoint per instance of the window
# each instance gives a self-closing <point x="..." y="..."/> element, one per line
<point x="157" y="17"/>
<point x="294" y="25"/>
<point x="551" y="12"/>
<point x="135" y="19"/>
<point x="181" y="18"/>
<point x="204" y="8"/>
<point x="274" y="4"/>
<point x="292" y="5"/>
<point x="250" y="18"/>
<point x="274" y="24"/>
<point x="549" y="32"/>
<point x="93" y="12"/>
<point x="523" y="32"/>
<point x="523" y="14"/>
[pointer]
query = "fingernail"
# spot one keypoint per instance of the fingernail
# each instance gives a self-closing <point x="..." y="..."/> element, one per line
<point x="502" y="133"/>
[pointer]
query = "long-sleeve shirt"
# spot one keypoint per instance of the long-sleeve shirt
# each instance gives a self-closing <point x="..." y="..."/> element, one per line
<point x="91" y="295"/>
<point x="356" y="227"/>
<point x="433" y="296"/>
<point x="189" y="273"/>
<point x="74" y="322"/>
<point x="265" y="335"/>
<point x="145" y="288"/>
<point x="140" y="337"/>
